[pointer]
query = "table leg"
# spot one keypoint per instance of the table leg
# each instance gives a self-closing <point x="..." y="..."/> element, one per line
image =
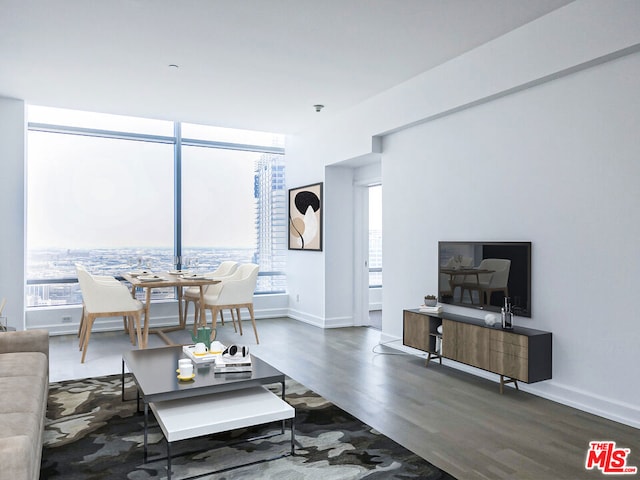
<point x="183" y="321"/>
<point x="145" y="338"/>
<point x="168" y="460"/>
<point x="146" y="420"/>
<point x="122" y="379"/>
<point x="203" y="315"/>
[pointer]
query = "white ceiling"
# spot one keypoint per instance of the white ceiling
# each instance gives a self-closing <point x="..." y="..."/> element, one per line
<point x="256" y="64"/>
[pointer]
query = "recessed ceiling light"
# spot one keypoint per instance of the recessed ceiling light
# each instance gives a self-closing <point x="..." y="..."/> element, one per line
<point x="173" y="66"/>
<point x="318" y="107"/>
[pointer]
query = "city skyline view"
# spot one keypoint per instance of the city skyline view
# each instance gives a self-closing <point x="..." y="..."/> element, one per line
<point x="60" y="264"/>
<point x="109" y="199"/>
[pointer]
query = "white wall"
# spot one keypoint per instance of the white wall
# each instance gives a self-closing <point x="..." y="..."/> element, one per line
<point x="305" y="269"/>
<point x="556" y="165"/>
<point x="12" y="207"/>
<point x="339" y="247"/>
<point x="532" y="136"/>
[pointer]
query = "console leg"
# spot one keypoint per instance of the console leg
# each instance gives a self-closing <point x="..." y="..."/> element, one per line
<point x="434" y="355"/>
<point x="510" y="380"/>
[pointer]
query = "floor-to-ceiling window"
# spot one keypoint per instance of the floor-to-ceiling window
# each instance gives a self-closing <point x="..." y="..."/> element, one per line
<point x="116" y="192"/>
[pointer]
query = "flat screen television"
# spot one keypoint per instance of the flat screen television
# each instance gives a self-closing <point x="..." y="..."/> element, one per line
<point x="481" y="274"/>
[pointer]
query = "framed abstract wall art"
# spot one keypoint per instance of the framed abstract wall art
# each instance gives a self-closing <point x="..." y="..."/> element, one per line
<point x="305" y="218"/>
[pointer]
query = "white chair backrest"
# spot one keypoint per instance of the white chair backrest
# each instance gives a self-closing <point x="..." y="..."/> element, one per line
<point x="239" y="287"/>
<point x="84" y="277"/>
<point x="225" y="268"/>
<point x="104" y="296"/>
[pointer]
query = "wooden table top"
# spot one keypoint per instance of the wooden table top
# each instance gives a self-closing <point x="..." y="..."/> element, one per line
<point x="167" y="280"/>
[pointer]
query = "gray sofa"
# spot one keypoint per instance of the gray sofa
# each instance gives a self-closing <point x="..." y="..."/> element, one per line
<point x="24" y="388"/>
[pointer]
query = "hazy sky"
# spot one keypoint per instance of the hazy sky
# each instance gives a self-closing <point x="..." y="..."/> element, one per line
<point x="88" y="192"/>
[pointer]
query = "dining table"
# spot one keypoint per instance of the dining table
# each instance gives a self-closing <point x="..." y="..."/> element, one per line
<point x="177" y="279"/>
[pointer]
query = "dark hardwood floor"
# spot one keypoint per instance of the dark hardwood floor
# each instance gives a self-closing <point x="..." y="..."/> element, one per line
<point x="453" y="419"/>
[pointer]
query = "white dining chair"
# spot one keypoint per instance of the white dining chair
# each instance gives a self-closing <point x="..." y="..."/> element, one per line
<point x="192" y="294"/>
<point x="234" y="293"/>
<point x="101" y="278"/>
<point x="106" y="297"/>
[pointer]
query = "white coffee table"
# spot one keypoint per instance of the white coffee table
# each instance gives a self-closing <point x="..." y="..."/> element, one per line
<point x="205" y="415"/>
<point x="154" y="373"/>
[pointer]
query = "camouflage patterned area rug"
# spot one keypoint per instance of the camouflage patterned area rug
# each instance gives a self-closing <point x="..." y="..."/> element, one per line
<point x="92" y="434"/>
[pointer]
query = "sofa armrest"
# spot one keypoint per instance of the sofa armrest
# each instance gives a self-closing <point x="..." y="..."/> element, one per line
<point x="17" y="458"/>
<point x="25" y="341"/>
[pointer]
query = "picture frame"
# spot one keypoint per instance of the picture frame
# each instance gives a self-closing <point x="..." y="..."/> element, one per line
<point x="305" y="217"/>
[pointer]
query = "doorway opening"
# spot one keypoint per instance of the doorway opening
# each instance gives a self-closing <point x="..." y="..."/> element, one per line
<point x="375" y="255"/>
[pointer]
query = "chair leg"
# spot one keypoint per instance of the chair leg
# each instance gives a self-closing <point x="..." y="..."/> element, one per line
<point x="130" y="329"/>
<point x="88" y="326"/>
<point x="185" y="309"/>
<point x="233" y="320"/>
<point x="214" y="334"/>
<point x="214" y="318"/>
<point x="239" y="319"/>
<point x="222" y="319"/>
<point x="81" y="330"/>
<point x="253" y="321"/>
<point x="195" y="319"/>
<point x="137" y="318"/>
<point x="125" y="324"/>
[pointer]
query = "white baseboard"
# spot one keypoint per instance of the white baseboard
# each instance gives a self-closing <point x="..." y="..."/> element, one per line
<point x="338" y="322"/>
<point x="306" y="318"/>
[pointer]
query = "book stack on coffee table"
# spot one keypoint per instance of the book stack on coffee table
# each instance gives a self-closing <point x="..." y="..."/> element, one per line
<point x="232" y="364"/>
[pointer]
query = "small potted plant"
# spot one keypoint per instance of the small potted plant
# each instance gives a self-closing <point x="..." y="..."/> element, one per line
<point x="430" y="301"/>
